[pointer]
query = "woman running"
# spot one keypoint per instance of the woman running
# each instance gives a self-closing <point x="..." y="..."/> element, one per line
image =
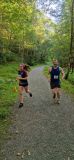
<point x="55" y="85"/>
<point x="23" y="83"/>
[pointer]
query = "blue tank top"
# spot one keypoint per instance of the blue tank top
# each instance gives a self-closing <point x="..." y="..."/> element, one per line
<point x="55" y="75"/>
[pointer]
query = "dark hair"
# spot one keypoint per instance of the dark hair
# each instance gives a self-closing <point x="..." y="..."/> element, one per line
<point x="26" y="67"/>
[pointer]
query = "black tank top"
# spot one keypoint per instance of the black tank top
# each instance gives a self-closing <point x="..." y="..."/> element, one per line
<point x="22" y="74"/>
<point x="55" y="75"/>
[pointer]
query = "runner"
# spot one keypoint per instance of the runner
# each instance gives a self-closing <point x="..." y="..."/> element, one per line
<point x="23" y="83"/>
<point x="55" y="83"/>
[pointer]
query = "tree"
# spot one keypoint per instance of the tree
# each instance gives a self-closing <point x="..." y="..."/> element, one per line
<point x="71" y="56"/>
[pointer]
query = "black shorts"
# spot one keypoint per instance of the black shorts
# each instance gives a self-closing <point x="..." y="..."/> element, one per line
<point x="24" y="84"/>
<point x="54" y="85"/>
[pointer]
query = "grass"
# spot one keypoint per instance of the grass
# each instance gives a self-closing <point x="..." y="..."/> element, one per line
<point x="71" y="78"/>
<point x="66" y="85"/>
<point x="8" y="95"/>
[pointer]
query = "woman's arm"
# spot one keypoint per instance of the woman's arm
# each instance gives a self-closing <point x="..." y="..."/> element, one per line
<point x="22" y="78"/>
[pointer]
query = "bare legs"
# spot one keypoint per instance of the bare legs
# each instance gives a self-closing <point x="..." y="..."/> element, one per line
<point x="56" y="94"/>
<point x="28" y="91"/>
<point x="21" y="97"/>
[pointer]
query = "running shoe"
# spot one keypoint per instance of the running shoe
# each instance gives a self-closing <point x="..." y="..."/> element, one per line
<point x="54" y="96"/>
<point x="58" y="101"/>
<point x="20" y="105"/>
<point x="30" y="94"/>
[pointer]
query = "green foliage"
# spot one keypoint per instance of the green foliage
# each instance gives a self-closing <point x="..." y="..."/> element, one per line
<point x="23" y="32"/>
<point x="60" y="41"/>
<point x="8" y="57"/>
<point x="66" y="85"/>
<point x="8" y="75"/>
<point x="71" y="78"/>
<point x="4" y="112"/>
<point x="26" y="33"/>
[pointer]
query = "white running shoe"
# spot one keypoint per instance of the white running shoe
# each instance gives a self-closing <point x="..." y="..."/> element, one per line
<point x="58" y="101"/>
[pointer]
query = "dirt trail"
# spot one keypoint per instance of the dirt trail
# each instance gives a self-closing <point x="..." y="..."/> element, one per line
<point x="41" y="130"/>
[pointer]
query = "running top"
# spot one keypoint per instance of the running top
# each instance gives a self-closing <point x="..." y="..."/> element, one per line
<point x="55" y="75"/>
<point x="22" y="74"/>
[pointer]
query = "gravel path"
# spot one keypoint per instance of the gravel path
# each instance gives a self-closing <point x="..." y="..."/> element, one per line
<point x="41" y="130"/>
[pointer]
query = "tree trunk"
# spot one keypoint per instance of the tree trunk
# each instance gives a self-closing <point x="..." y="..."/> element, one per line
<point x="72" y="30"/>
<point x="71" y="55"/>
<point x="72" y="38"/>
